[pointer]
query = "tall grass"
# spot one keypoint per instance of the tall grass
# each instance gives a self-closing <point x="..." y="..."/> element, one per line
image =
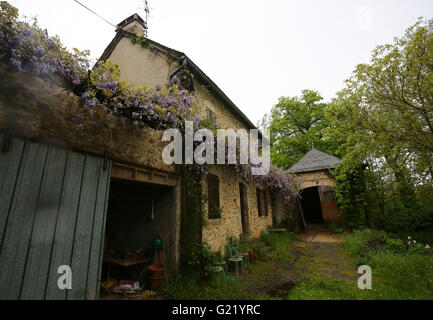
<point x="280" y="242"/>
<point x="396" y="275"/>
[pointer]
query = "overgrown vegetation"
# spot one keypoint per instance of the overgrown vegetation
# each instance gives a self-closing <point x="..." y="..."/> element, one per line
<point x="280" y="242"/>
<point x="401" y="268"/>
<point x="381" y="125"/>
<point x="214" y="286"/>
<point x="382" y="122"/>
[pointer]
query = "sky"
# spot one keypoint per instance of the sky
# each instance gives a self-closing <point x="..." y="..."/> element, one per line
<point x="255" y="51"/>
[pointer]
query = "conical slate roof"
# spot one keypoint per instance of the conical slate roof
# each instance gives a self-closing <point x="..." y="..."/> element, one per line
<point x="315" y="160"/>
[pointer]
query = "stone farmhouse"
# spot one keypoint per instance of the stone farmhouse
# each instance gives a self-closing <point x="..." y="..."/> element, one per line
<point x="67" y="198"/>
<point x="156" y="64"/>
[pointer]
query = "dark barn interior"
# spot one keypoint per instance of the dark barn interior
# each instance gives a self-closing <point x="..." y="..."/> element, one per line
<point x="137" y="213"/>
<point x="311" y="205"/>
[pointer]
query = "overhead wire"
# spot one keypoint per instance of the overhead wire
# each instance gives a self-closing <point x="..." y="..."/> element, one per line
<point x="99" y="16"/>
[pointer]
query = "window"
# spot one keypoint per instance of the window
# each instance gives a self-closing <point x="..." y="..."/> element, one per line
<point x="214" y="210"/>
<point x="210" y="114"/>
<point x="262" y="203"/>
<point x="266" y="202"/>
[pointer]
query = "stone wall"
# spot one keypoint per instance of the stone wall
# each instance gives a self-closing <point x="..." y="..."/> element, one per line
<point x="140" y="67"/>
<point x="41" y="109"/>
<point x="283" y="213"/>
<point x="44" y="110"/>
<point x="217" y="231"/>
<point x="143" y="67"/>
<point x="315" y="179"/>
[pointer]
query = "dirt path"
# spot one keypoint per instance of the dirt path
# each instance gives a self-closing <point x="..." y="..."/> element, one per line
<point x="316" y="253"/>
<point x="321" y="253"/>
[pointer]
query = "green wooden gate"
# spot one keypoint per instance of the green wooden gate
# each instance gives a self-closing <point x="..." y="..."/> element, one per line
<point x="53" y="205"/>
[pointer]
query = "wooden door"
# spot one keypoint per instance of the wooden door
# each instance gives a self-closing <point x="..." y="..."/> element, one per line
<point x="329" y="205"/>
<point x="52" y="213"/>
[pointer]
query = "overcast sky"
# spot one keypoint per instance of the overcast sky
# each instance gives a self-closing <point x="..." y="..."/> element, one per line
<point x="255" y="51"/>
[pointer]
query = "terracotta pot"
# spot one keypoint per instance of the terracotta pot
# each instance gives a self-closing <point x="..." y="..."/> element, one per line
<point x="157" y="276"/>
<point x="156" y="271"/>
<point x="156" y="283"/>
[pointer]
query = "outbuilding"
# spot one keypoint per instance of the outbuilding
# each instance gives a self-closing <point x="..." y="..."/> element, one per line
<point x="318" y="200"/>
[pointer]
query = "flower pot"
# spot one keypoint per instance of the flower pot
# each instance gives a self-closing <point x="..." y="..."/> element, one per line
<point x="156" y="271"/>
<point x="156" y="283"/>
<point x="157" y="276"/>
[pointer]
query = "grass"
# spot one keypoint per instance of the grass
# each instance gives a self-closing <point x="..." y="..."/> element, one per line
<point x="397" y="275"/>
<point x="335" y="228"/>
<point x="325" y="273"/>
<point x="272" y="247"/>
<point x="280" y="242"/>
<point x="325" y="289"/>
<point x="189" y="288"/>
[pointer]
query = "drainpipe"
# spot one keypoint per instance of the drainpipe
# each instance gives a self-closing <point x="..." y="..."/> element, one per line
<point x="184" y="64"/>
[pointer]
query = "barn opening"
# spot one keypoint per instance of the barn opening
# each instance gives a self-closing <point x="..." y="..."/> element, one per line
<point x="137" y="214"/>
<point x="311" y="205"/>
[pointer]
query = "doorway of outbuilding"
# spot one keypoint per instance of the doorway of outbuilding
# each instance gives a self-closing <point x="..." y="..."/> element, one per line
<point x="137" y="213"/>
<point x="311" y="205"/>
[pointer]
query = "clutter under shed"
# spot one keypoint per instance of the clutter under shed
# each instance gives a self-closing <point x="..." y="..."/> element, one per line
<point x="139" y="236"/>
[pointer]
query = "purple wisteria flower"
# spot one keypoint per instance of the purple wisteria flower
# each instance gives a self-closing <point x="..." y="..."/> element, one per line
<point x="51" y="44"/>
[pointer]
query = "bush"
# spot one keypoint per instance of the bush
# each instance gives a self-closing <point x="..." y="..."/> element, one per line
<point x="201" y="261"/>
<point x="351" y="192"/>
<point x="361" y="241"/>
<point x="400" y="270"/>
<point x="395" y="245"/>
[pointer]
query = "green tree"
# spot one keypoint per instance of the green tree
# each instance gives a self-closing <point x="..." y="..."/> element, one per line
<point x="8" y="13"/>
<point x="383" y="119"/>
<point x="296" y="124"/>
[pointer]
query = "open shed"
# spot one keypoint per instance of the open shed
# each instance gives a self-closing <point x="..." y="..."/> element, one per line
<point x="318" y="199"/>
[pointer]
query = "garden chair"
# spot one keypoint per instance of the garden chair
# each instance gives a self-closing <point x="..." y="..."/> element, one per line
<point x="236" y="257"/>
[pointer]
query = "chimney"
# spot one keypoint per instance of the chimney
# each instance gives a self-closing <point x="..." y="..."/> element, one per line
<point x="134" y="24"/>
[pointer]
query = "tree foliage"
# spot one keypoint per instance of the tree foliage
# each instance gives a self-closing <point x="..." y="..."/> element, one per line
<point x="296" y="124"/>
<point x="383" y="119"/>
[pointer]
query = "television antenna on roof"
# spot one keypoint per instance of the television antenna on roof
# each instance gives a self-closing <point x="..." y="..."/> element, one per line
<point x="146" y="10"/>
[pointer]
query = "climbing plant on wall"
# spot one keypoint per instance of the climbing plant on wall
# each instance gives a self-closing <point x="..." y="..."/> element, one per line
<point x="27" y="48"/>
